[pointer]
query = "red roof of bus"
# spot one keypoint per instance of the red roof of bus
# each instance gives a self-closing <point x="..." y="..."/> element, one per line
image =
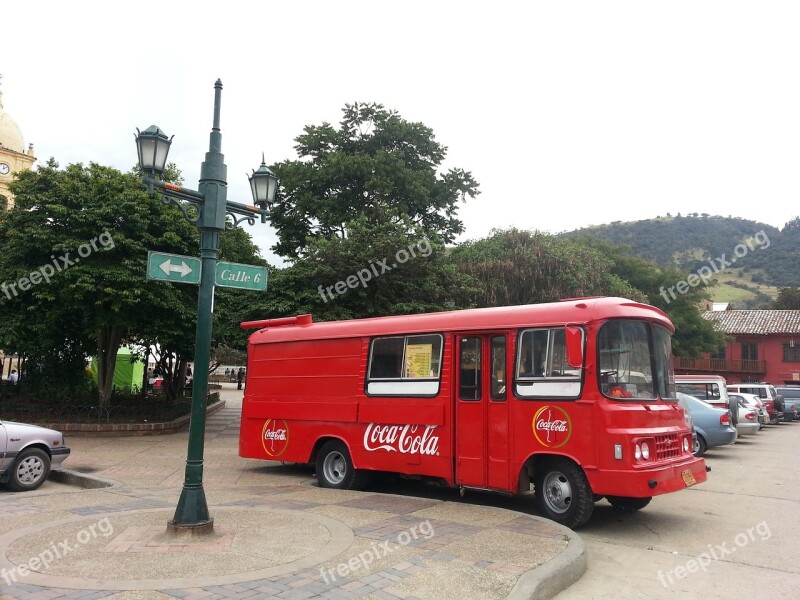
<point x="572" y="311"/>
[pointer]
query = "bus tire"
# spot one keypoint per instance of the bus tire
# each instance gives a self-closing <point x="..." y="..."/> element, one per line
<point x="562" y="493"/>
<point x="335" y="468"/>
<point x="627" y="504"/>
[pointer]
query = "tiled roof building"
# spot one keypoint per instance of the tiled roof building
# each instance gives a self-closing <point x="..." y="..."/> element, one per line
<point x="764" y="345"/>
<point x="756" y="322"/>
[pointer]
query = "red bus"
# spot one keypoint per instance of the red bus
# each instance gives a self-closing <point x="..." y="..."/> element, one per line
<point x="573" y="400"/>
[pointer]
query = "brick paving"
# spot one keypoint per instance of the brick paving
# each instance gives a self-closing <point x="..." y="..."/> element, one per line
<point x="151" y="473"/>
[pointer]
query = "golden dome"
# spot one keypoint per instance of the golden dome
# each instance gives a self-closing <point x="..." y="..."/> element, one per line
<point x="10" y="134"/>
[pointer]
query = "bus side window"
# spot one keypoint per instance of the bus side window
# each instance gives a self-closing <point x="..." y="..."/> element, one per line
<point x="470" y="371"/>
<point x="498" y="361"/>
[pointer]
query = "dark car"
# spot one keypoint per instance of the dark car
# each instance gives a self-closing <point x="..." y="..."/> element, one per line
<point x="791" y="401"/>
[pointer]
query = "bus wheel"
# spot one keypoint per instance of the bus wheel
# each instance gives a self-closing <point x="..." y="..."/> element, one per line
<point x="562" y="493"/>
<point x="628" y="504"/>
<point x="335" y="468"/>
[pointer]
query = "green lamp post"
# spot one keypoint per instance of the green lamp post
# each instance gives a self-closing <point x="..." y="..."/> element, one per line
<point x="211" y="217"/>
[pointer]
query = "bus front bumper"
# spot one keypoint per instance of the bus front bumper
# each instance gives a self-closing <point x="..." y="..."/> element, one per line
<point x="643" y="483"/>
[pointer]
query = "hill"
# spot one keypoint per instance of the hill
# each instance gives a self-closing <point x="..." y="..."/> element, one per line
<point x="750" y="260"/>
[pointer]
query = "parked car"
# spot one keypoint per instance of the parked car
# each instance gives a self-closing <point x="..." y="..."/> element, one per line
<point x="709" y="388"/>
<point x="687" y="417"/>
<point x="27" y="453"/>
<point x="712" y="425"/>
<point x="753" y="401"/>
<point x="748" y="419"/>
<point x="766" y="392"/>
<point x="790" y="395"/>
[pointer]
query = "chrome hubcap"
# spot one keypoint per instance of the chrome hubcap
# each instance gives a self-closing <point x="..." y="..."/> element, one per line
<point x="30" y="470"/>
<point x="557" y="492"/>
<point x="335" y="467"/>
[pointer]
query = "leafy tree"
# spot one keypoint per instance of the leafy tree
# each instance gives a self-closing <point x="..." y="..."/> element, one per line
<point x="94" y="226"/>
<point x="224" y="355"/>
<point x="788" y="299"/>
<point x="378" y="269"/>
<point x="374" y="166"/>
<point x="523" y="267"/>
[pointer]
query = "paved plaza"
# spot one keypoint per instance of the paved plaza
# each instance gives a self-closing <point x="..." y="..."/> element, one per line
<point x="276" y="534"/>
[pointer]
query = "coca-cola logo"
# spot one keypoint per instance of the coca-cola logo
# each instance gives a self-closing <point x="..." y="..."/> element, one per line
<point x="275" y="437"/>
<point x="405" y="439"/>
<point x="552" y="426"/>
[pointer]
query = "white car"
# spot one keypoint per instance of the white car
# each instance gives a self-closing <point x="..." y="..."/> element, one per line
<point x="27" y="453"/>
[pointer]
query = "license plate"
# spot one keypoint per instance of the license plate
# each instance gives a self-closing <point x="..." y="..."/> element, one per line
<point x="688" y="477"/>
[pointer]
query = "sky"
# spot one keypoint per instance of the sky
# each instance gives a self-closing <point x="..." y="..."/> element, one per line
<point x="568" y="114"/>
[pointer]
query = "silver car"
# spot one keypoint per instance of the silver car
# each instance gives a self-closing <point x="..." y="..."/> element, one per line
<point x="27" y="453"/>
<point x="748" y="419"/>
<point x="753" y="401"/>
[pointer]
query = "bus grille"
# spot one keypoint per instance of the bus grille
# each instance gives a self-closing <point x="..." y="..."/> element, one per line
<point x="667" y="446"/>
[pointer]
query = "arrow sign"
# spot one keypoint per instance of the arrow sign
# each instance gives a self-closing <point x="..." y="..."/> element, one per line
<point x="173" y="267"/>
<point x="182" y="268"/>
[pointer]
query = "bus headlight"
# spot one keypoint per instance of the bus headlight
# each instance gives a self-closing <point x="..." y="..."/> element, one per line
<point x="637" y="453"/>
<point x="685" y="444"/>
<point x="645" y="451"/>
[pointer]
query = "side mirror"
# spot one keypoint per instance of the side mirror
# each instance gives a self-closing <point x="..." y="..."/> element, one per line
<point x="574" y="339"/>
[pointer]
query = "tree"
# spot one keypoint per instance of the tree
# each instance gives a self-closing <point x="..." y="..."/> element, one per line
<point x="788" y="299"/>
<point x="75" y="248"/>
<point x="379" y="269"/>
<point x="375" y="166"/>
<point x="513" y="267"/>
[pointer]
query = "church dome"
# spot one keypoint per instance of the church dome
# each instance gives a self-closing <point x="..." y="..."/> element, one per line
<point x="10" y="134"/>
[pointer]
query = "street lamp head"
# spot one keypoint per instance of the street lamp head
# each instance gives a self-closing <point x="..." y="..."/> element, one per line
<point x="153" y="147"/>
<point x="263" y="184"/>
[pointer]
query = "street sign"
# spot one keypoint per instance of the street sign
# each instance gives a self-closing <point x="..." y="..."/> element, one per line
<point x="246" y="277"/>
<point x="173" y="267"/>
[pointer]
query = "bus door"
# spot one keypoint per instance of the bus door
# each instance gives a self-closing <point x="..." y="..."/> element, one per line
<point x="481" y="401"/>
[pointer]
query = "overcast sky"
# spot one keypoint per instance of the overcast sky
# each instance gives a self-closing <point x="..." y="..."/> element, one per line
<point x="568" y="114"/>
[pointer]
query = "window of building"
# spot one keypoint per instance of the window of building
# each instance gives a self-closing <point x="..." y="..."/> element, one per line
<point x="749" y="351"/>
<point x="791" y="353"/>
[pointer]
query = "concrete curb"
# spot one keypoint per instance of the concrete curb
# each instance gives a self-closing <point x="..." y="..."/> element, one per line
<point x="126" y="429"/>
<point x="83" y="480"/>
<point x="554" y="576"/>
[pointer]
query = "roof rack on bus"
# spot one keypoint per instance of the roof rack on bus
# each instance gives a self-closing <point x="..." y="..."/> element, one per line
<point x="282" y="322"/>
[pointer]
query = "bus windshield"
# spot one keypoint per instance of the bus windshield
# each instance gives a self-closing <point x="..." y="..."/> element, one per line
<point x="635" y="360"/>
